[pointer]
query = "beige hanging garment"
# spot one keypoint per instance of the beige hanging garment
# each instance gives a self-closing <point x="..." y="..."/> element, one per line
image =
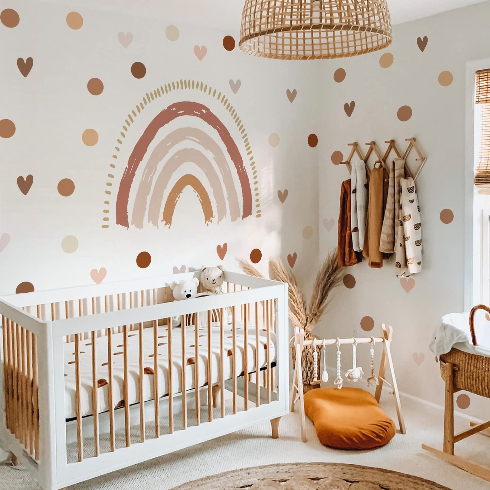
<point x="375" y="217"/>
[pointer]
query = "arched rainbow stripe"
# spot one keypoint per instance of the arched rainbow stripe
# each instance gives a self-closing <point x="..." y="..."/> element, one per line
<point x="165" y="117"/>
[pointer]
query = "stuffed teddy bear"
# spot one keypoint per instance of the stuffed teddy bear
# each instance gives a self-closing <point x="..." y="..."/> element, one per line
<point x="183" y="290"/>
<point x="212" y="279"/>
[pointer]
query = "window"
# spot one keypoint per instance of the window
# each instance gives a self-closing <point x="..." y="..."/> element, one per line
<point x="482" y="113"/>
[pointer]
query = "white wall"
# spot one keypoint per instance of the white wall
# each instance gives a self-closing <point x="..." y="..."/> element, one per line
<point x="438" y="122"/>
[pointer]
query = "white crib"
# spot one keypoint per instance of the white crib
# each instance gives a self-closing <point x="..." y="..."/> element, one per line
<point x="86" y="383"/>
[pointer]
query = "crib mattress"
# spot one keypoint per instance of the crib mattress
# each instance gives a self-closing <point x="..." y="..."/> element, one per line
<point x="454" y="331"/>
<point x="163" y="364"/>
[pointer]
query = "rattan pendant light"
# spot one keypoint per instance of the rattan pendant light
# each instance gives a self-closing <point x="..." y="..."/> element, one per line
<point x="314" y="29"/>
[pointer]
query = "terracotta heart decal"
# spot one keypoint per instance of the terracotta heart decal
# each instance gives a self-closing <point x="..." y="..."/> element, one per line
<point x="407" y="284"/>
<point x="235" y="86"/>
<point x="25" y="67"/>
<point x="422" y="43"/>
<point x="349" y="108"/>
<point x="125" y="38"/>
<point x="292" y="259"/>
<point x="329" y="223"/>
<point x="222" y="249"/>
<point x="98" y="275"/>
<point x="200" y="52"/>
<point x="179" y="271"/>
<point x="419" y="358"/>
<point x="291" y="95"/>
<point x="25" y="184"/>
<point x="4" y="241"/>
<point x="282" y="195"/>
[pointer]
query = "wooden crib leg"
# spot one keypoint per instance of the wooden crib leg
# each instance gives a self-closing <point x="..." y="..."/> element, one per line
<point x="216" y="391"/>
<point x="449" y="410"/>
<point x="14" y="460"/>
<point x="275" y="428"/>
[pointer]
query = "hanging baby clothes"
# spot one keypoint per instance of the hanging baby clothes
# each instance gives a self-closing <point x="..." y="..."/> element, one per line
<point x="346" y="254"/>
<point x="358" y="204"/>
<point x="411" y="225"/>
<point x="375" y="217"/>
<point x="388" y="231"/>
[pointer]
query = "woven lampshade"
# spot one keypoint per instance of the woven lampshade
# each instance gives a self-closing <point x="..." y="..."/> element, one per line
<point x="314" y="29"/>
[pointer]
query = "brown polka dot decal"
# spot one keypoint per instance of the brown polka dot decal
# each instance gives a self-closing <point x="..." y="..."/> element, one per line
<point x="24" y="287"/>
<point x="446" y="78"/>
<point x="229" y="43"/>
<point x="74" y="20"/>
<point x="143" y="260"/>
<point x="7" y="128"/>
<point x="386" y="60"/>
<point x="404" y="113"/>
<point x="447" y="216"/>
<point x="463" y="401"/>
<point x="349" y="281"/>
<point x="367" y="323"/>
<point x="95" y="86"/>
<point x="9" y="18"/>
<point x="339" y="75"/>
<point x="138" y="70"/>
<point x="255" y="256"/>
<point x="90" y="137"/>
<point x="337" y="157"/>
<point x="312" y="140"/>
<point x="66" y="187"/>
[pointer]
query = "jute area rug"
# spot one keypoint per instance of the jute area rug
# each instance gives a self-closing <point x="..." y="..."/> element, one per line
<point x="312" y="476"/>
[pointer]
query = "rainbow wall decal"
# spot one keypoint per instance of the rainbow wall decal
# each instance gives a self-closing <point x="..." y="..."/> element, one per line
<point x="148" y="191"/>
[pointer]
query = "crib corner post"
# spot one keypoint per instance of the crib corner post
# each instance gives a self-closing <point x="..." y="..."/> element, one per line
<point x="47" y="419"/>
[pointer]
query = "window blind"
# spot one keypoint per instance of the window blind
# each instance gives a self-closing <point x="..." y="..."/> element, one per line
<point x="482" y="173"/>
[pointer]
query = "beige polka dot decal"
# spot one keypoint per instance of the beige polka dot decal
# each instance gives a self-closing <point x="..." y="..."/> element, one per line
<point x="337" y="157"/>
<point x="143" y="260"/>
<point x="463" y="401"/>
<point x="274" y="139"/>
<point x="95" y="86"/>
<point x="69" y="244"/>
<point x="367" y="323"/>
<point x="312" y="140"/>
<point x="447" y="216"/>
<point x="255" y="256"/>
<point x="349" y="281"/>
<point x="9" y="18"/>
<point x="7" y="128"/>
<point x="172" y="33"/>
<point x="24" y="287"/>
<point x="386" y="60"/>
<point x="138" y="70"/>
<point x="74" y="20"/>
<point x="229" y="43"/>
<point x="446" y="78"/>
<point x="404" y="113"/>
<point x="90" y="137"/>
<point x="307" y="232"/>
<point x="66" y="187"/>
<point x="339" y="75"/>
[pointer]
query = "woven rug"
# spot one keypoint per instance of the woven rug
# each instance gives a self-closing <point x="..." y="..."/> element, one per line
<point x="312" y="476"/>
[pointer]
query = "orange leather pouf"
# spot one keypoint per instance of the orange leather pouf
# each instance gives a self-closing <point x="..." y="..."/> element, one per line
<point x="349" y="418"/>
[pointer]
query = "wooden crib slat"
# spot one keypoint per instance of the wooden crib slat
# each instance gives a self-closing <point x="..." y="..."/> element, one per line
<point x="257" y="357"/>
<point x="30" y="424"/>
<point x="269" y="382"/>
<point x="222" y="362"/>
<point x="13" y="348"/>
<point x="141" y="377"/>
<point x="155" y="371"/>
<point x="5" y="372"/>
<point x="210" y="369"/>
<point x="234" y="357"/>
<point x="245" y="357"/>
<point x="18" y="410"/>
<point x="127" y="425"/>
<point x="110" y="383"/>
<point x="184" y="366"/>
<point x="170" y="378"/>
<point x="95" y="389"/>
<point x="78" y="398"/>
<point x="35" y="386"/>
<point x="25" y="430"/>
<point x="196" y="370"/>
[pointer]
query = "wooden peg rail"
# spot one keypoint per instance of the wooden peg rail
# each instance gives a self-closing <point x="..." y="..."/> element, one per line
<point x="383" y="158"/>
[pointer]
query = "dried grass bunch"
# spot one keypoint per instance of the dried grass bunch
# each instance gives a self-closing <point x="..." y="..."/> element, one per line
<point x="329" y="276"/>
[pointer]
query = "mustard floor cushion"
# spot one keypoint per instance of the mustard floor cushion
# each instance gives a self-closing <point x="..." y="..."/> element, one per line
<point x="349" y="418"/>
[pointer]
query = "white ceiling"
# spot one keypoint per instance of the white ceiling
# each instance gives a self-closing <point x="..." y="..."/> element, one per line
<point x="226" y="14"/>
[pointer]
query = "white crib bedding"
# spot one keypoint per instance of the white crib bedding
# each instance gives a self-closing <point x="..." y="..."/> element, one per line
<point x="454" y="331"/>
<point x="148" y="346"/>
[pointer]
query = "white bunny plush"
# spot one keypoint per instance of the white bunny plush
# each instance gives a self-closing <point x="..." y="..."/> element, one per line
<point x="356" y="373"/>
<point x="181" y="291"/>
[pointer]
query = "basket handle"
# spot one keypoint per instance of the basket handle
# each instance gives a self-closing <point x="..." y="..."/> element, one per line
<point x="472" y="320"/>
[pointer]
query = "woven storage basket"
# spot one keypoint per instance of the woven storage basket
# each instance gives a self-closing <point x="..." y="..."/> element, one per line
<point x="308" y="363"/>
<point x="472" y="372"/>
